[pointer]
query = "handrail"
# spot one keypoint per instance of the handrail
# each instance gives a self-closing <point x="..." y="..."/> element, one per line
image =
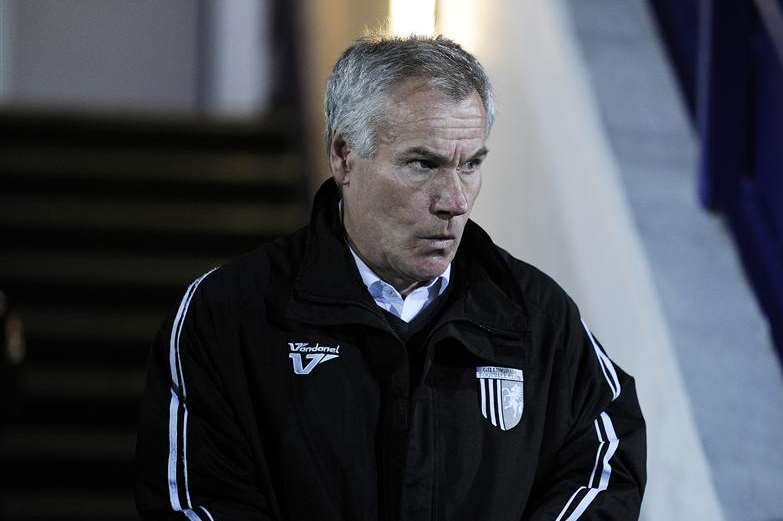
<point x="772" y="17"/>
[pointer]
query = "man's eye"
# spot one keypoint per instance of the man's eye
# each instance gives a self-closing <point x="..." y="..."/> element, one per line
<point x="470" y="166"/>
<point x="422" y="164"/>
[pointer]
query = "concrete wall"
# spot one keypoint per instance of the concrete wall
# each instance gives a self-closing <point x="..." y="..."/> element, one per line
<point x="176" y="56"/>
<point x="238" y="77"/>
<point x="100" y="54"/>
<point x="5" y="27"/>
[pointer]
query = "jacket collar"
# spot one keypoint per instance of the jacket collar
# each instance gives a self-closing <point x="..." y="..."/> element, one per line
<point x="328" y="275"/>
<point x="329" y="291"/>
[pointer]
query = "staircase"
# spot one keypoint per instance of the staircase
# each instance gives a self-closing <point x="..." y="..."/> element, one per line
<point x="103" y="223"/>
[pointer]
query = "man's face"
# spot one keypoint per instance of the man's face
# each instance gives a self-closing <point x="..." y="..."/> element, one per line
<point x="405" y="209"/>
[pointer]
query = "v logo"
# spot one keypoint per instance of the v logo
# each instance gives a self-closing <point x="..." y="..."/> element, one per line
<point x="313" y="360"/>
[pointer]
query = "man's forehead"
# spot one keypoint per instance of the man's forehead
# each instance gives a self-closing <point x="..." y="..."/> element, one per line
<point x="416" y="100"/>
<point x="419" y="115"/>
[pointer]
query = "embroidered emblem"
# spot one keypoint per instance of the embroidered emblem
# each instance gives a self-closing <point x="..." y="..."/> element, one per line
<point x="502" y="395"/>
<point x="315" y="354"/>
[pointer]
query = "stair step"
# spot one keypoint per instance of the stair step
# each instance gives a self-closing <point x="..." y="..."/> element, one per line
<point x="78" y="474"/>
<point x="72" y="213"/>
<point x="80" y="383"/>
<point x="115" y="269"/>
<point x="85" y="163"/>
<point x="67" y="505"/>
<point x="88" y="354"/>
<point x="35" y="442"/>
<point x="268" y="134"/>
<point x="101" y="412"/>
<point x="130" y="326"/>
<point x="165" y="190"/>
<point x="68" y="396"/>
<point x="95" y="238"/>
<point x="89" y="296"/>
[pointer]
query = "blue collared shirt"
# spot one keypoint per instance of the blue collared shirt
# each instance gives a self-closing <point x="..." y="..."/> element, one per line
<point x="387" y="297"/>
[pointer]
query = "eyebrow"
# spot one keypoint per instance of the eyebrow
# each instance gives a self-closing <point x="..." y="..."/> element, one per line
<point x="439" y="159"/>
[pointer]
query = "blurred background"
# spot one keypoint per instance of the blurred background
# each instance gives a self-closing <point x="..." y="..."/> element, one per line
<point x="636" y="158"/>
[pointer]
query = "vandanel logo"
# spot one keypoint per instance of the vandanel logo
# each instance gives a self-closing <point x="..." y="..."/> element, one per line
<point x="305" y="356"/>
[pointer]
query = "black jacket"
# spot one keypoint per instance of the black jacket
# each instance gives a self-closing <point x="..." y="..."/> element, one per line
<point x="229" y="430"/>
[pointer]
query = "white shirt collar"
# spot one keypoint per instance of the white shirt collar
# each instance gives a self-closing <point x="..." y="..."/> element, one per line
<point x="369" y="277"/>
<point x="387" y="297"/>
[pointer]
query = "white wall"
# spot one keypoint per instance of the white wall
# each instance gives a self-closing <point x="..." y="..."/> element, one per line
<point x="177" y="56"/>
<point x="239" y="59"/>
<point x="5" y="27"/>
<point x="101" y="54"/>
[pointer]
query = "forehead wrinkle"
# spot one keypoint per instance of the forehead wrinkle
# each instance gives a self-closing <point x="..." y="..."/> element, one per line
<point x="399" y="104"/>
<point x="449" y="125"/>
<point x="444" y="135"/>
<point x="404" y="134"/>
<point x="445" y="140"/>
<point x="417" y="118"/>
<point x="405" y="123"/>
<point x="450" y="150"/>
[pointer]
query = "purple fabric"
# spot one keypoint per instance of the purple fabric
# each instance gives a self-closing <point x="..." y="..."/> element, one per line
<point x="768" y="131"/>
<point x="738" y="100"/>
<point x="761" y="256"/>
<point x="723" y="101"/>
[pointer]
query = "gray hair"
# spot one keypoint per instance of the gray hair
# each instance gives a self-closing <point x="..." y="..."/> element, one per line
<point x="367" y="72"/>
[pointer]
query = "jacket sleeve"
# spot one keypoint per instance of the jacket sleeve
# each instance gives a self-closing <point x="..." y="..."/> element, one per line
<point x="599" y="469"/>
<point x="193" y="460"/>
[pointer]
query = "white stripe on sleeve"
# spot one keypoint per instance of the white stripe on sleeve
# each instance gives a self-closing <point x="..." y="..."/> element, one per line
<point x="568" y="503"/>
<point x="606" y="365"/>
<point x="606" y="470"/>
<point x="173" y="408"/>
<point x="207" y="513"/>
<point x="597" y="454"/>
<point x="192" y="516"/>
<point x="178" y="386"/>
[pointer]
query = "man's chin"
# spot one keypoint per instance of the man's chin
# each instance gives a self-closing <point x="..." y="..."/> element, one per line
<point x="433" y="266"/>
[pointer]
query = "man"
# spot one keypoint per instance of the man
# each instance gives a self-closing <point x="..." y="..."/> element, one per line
<point x="389" y="361"/>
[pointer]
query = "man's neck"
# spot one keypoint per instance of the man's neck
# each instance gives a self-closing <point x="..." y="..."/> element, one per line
<point x="403" y="286"/>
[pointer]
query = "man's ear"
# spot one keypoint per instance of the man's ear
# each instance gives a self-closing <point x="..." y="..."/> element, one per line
<point x="340" y="160"/>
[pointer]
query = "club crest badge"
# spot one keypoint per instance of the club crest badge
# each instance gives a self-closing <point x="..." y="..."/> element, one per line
<point x="502" y="395"/>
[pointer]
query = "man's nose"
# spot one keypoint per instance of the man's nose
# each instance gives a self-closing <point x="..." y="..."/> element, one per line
<point x="449" y="198"/>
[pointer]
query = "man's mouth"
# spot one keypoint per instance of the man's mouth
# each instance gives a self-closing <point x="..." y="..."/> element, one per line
<point x="439" y="242"/>
<point x="438" y="237"/>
